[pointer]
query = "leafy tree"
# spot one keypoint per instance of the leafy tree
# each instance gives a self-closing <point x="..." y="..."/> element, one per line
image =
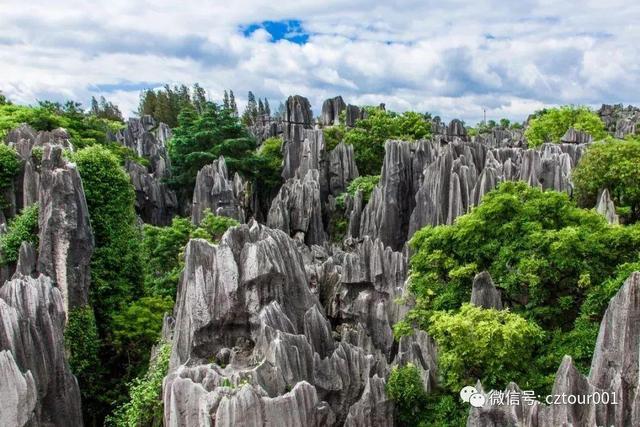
<point x="105" y="109"/>
<point x="232" y="104"/>
<point x="612" y="165"/>
<point x="144" y="406"/>
<point x="366" y="184"/>
<point x="551" y="124"/>
<point x="494" y="346"/>
<point x="116" y="269"/>
<point x="201" y="139"/>
<point x="267" y="109"/>
<point x="251" y="111"/>
<point x="406" y="390"/>
<point x="370" y="134"/>
<point x="4" y="100"/>
<point x="137" y="327"/>
<point x="544" y="252"/>
<point x="10" y="165"/>
<point x="22" y="228"/>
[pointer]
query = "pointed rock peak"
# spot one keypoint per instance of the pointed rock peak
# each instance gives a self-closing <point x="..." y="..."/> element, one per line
<point x="484" y="293"/>
<point x="26" y="265"/>
<point x="606" y="208"/>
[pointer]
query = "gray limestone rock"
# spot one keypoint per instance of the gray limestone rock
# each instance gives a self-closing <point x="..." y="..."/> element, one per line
<point x="148" y="139"/>
<point x="156" y="203"/>
<point x="606" y="208"/>
<point x="620" y="120"/>
<point x="573" y="136"/>
<point x="342" y="168"/>
<point x="353" y="114"/>
<point x="484" y="293"/>
<point x="216" y="192"/>
<point x="297" y="209"/>
<point x="37" y="386"/>
<point x="331" y="109"/>
<point x="66" y="238"/>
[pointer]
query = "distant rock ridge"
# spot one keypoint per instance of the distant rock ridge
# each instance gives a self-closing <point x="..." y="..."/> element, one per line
<point x="431" y="183"/>
<point x="620" y="120"/>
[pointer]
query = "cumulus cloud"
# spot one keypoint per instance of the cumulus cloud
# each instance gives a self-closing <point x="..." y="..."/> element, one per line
<point x="453" y="59"/>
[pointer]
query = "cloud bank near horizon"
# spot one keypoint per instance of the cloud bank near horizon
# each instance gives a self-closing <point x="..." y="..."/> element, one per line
<point x="453" y="59"/>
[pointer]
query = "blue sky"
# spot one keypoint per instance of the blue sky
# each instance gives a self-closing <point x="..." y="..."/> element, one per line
<point x="453" y="58"/>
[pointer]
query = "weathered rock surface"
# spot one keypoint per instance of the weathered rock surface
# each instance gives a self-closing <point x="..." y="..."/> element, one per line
<point x="342" y="168"/>
<point x="297" y="209"/>
<point x="573" y="136"/>
<point x="331" y="109"/>
<point x="246" y="304"/>
<point x="484" y="293"/>
<point x="614" y="369"/>
<point x="216" y="192"/>
<point x="66" y="239"/>
<point x="297" y="118"/>
<point x="353" y="114"/>
<point x="148" y="138"/>
<point x="156" y="203"/>
<point x="620" y="120"/>
<point x="606" y="208"/>
<point x="37" y="386"/>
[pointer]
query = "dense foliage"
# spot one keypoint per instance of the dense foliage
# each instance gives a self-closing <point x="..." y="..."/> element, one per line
<point x="502" y="345"/>
<point x="116" y="268"/>
<point x="369" y="135"/>
<point x="406" y="390"/>
<point x="144" y="406"/>
<point x="10" y="165"/>
<point x="550" y="125"/>
<point x="22" y="228"/>
<point x="555" y="265"/>
<point x="84" y="128"/>
<point x="165" y="104"/>
<point x="613" y="165"/>
<point x="365" y="184"/>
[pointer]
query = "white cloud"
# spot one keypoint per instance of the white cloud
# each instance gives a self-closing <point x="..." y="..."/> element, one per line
<point x="453" y="59"/>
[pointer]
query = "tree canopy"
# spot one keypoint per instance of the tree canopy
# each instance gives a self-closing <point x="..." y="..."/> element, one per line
<point x="550" y="125"/>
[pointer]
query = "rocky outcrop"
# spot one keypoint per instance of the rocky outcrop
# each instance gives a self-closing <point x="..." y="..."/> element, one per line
<point x="148" y="139"/>
<point x="37" y="386"/>
<point x="619" y="120"/>
<point x="342" y="168"/>
<point x="387" y="214"/>
<point x="573" y="136"/>
<point x="66" y="239"/>
<point x="297" y="209"/>
<point x="297" y="118"/>
<point x="614" y="369"/>
<point x="331" y="109"/>
<point x="484" y="293"/>
<point x="353" y="114"/>
<point x="606" y="208"/>
<point x="156" y="203"/>
<point x="252" y="346"/>
<point x="216" y="192"/>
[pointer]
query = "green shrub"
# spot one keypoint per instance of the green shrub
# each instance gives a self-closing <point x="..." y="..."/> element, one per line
<point x="137" y="327"/>
<point x="404" y="387"/>
<point x="543" y="252"/>
<point x="82" y="346"/>
<point x="494" y="346"/>
<point x="614" y="165"/>
<point x="10" y="165"/>
<point x="551" y="124"/>
<point x="369" y="135"/>
<point x="22" y="228"/>
<point x="333" y="135"/>
<point x="366" y="184"/>
<point x="212" y="227"/>
<point x="144" y="406"/>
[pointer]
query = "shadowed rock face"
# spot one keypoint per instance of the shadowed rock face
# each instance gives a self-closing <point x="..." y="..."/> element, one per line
<point x="331" y="109"/>
<point x="297" y="209"/>
<point x="66" y="239"/>
<point x="37" y="386"/>
<point x="156" y="203"/>
<point x="484" y="293"/>
<point x="246" y="314"/>
<point x="614" y="369"/>
<point x="573" y="136"/>
<point x="297" y="118"/>
<point x="216" y="192"/>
